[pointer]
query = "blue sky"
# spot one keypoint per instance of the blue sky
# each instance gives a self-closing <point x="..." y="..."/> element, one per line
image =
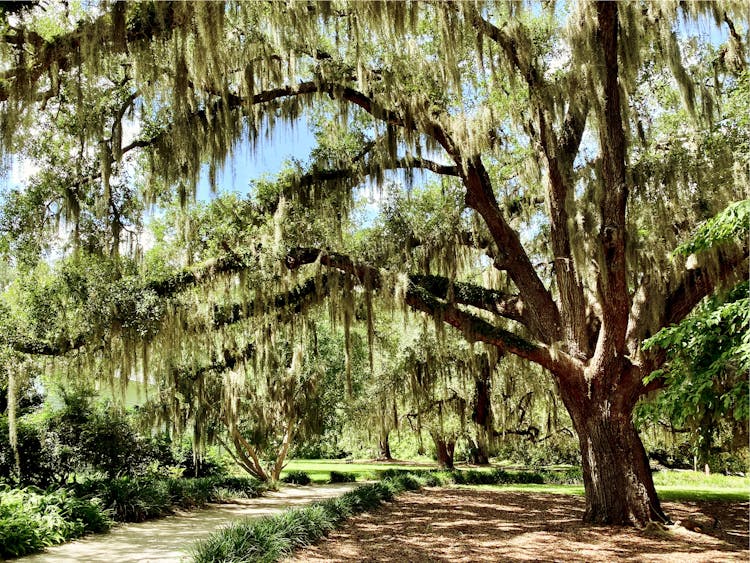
<point x="285" y="142"/>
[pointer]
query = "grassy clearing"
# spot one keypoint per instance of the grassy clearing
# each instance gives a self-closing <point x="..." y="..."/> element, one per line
<point x="319" y="470"/>
<point x="671" y="485"/>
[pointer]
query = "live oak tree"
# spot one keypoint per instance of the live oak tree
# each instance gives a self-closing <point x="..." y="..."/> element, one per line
<point x="586" y="140"/>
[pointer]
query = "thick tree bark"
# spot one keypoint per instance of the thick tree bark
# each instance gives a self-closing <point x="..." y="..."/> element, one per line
<point x="384" y="446"/>
<point x="444" y="450"/>
<point x="616" y="473"/>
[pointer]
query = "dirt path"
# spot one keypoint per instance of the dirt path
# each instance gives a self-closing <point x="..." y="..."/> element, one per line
<point x="470" y="525"/>
<point x="167" y="540"/>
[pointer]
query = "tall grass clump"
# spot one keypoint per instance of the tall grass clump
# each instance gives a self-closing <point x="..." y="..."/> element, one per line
<point x="275" y="537"/>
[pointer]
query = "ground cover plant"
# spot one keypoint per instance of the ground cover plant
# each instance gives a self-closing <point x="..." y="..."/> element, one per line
<point x="270" y="539"/>
<point x="31" y="519"/>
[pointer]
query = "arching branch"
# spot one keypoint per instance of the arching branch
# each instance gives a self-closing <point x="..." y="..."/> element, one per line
<point x="421" y="299"/>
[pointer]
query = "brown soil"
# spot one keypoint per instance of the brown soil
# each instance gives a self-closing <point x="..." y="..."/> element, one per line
<point x="470" y="525"/>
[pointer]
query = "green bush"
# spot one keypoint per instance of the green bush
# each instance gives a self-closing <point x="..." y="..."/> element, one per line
<point x="342" y="477"/>
<point x="297" y="478"/>
<point x="137" y="499"/>
<point x="31" y="520"/>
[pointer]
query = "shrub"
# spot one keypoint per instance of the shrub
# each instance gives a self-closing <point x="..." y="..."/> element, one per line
<point x="297" y="478"/>
<point x="342" y="477"/>
<point x="210" y="464"/>
<point x="31" y="520"/>
<point x="38" y="463"/>
<point x="137" y="499"/>
<point x="571" y="476"/>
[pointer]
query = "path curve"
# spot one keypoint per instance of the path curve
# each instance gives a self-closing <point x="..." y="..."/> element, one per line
<point x="167" y="540"/>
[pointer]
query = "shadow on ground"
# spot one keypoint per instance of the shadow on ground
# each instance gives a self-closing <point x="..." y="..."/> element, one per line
<point x="450" y="525"/>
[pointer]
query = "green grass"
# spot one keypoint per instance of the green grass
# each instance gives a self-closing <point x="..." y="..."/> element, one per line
<point x="319" y="470"/>
<point x="697" y="486"/>
<point x="671" y="485"/>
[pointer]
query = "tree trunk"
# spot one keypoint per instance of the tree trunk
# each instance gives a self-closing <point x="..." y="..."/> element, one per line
<point x="616" y="474"/>
<point x="384" y="446"/>
<point x="480" y="452"/>
<point x="278" y="467"/>
<point x="444" y="448"/>
<point x="482" y="416"/>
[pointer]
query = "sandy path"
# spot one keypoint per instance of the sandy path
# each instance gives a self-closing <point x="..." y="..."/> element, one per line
<point x="168" y="539"/>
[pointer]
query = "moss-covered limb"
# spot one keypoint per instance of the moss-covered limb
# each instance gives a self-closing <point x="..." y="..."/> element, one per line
<point x="408" y="162"/>
<point x="188" y="277"/>
<point x="284" y="304"/>
<point x="477" y="329"/>
<point x="422" y="299"/>
<point x="681" y="298"/>
<point x="46" y="348"/>
<point x="542" y="313"/>
<point x="612" y="283"/>
<point x="497" y="302"/>
<point x="699" y="282"/>
<point x="63" y="52"/>
<point x="228" y="360"/>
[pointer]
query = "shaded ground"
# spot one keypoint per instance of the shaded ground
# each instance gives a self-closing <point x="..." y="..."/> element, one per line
<point x="474" y="525"/>
<point x="167" y="540"/>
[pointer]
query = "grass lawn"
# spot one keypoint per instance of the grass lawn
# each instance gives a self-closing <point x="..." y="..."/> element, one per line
<point x="319" y="470"/>
<point x="671" y="485"/>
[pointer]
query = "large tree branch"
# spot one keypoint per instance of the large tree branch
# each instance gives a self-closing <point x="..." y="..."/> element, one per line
<point x="63" y="51"/>
<point x="543" y="314"/>
<point x="496" y="302"/>
<point x="421" y="299"/>
<point x="559" y="192"/>
<point x="700" y="282"/>
<point x="612" y="279"/>
<point x="559" y="155"/>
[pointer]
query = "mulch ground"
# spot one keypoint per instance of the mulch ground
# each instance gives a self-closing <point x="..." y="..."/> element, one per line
<point x="473" y="525"/>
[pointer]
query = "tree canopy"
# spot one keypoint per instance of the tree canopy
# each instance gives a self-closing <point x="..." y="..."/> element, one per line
<point x="571" y="148"/>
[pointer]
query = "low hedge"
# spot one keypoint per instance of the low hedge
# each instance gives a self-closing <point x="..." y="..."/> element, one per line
<point x="275" y="537"/>
<point x="572" y="476"/>
<point x="342" y="477"/>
